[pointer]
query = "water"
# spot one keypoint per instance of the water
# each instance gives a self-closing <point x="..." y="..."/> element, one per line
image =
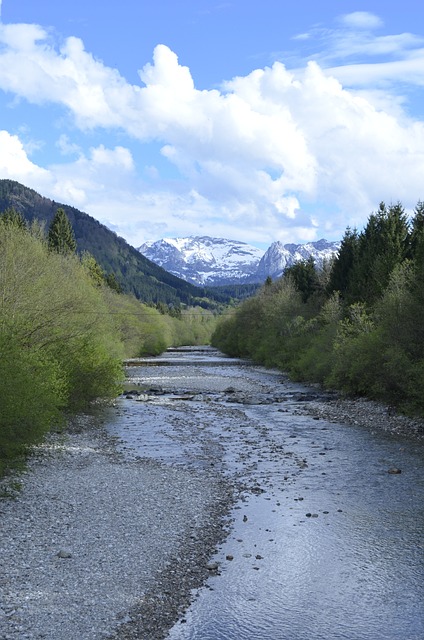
<point x="323" y="542"/>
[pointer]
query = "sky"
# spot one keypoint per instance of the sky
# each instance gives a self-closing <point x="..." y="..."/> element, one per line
<point x="253" y="120"/>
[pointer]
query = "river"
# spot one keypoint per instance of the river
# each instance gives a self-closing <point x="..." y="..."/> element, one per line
<point x="323" y="542"/>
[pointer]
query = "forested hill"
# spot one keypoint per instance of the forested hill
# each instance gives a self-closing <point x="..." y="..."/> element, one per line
<point x="135" y="273"/>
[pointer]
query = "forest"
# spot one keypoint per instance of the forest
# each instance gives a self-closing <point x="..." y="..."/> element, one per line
<point x="65" y="329"/>
<point x="356" y="325"/>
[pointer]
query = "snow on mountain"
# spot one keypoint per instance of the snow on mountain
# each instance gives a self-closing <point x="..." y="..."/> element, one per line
<point x="281" y="256"/>
<point x="203" y="260"/>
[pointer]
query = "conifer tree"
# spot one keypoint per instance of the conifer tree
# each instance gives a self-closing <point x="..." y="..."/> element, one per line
<point x="61" y="237"/>
<point x="341" y="269"/>
<point x="382" y="246"/>
<point x="305" y="277"/>
<point x="12" y="217"/>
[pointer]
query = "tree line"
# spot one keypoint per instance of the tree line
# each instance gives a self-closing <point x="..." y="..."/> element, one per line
<point x="356" y="325"/>
<point x="65" y="329"/>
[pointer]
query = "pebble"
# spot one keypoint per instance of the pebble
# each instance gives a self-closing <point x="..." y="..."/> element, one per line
<point x="122" y="530"/>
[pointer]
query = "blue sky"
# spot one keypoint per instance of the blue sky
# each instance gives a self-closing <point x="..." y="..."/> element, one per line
<point x="252" y="120"/>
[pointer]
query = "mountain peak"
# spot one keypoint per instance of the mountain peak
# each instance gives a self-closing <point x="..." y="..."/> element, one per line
<point x="204" y="260"/>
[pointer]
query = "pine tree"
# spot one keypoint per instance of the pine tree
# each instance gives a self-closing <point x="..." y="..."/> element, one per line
<point x="12" y="217"/>
<point x="305" y="277"/>
<point x="382" y="246"/>
<point x="341" y="269"/>
<point x="61" y="237"/>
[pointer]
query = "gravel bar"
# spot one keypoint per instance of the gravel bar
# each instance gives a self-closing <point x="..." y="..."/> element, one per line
<point x="95" y="546"/>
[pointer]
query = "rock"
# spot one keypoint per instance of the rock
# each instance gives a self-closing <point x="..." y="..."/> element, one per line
<point x="64" y="554"/>
<point x="157" y="391"/>
<point x="229" y="557"/>
<point x="394" y="471"/>
<point x="212" y="566"/>
<point x="143" y="397"/>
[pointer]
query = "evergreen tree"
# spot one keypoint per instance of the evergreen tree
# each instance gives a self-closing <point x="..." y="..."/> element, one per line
<point x="12" y="217"/>
<point x="382" y="246"/>
<point x="93" y="269"/>
<point x="304" y="277"/>
<point x="113" y="283"/>
<point x="341" y="269"/>
<point x="61" y="237"/>
<point x="416" y="240"/>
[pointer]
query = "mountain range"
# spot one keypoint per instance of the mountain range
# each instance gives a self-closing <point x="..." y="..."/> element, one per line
<point x="194" y="270"/>
<point x="206" y="261"/>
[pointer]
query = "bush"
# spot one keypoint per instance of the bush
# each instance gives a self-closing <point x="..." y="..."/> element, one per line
<point x="32" y="395"/>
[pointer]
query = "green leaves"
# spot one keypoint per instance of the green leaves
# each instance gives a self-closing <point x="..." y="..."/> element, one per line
<point x="366" y="335"/>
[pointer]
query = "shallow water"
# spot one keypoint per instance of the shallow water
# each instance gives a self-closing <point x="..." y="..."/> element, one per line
<point x="323" y="542"/>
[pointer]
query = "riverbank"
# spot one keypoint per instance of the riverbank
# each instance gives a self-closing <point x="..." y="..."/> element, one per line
<point x="372" y="415"/>
<point x="96" y="546"/>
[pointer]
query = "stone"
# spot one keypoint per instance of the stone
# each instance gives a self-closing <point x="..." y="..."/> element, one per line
<point x="64" y="554"/>
<point x="394" y="471"/>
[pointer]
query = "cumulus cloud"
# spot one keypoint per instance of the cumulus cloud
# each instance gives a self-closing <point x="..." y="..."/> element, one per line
<point x="254" y="155"/>
<point x="15" y="164"/>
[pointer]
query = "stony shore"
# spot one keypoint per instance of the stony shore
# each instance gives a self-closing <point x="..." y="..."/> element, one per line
<point x="372" y="415"/>
<point x="96" y="546"/>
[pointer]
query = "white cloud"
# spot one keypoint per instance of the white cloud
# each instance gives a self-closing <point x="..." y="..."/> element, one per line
<point x="361" y="20"/>
<point x="15" y="164"/>
<point x="254" y="156"/>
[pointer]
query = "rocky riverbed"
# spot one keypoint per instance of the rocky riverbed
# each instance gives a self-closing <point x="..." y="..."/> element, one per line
<point x="100" y="544"/>
<point x="369" y="414"/>
<point x="95" y="546"/>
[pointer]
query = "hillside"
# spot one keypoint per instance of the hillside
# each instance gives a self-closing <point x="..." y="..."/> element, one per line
<point x="135" y="273"/>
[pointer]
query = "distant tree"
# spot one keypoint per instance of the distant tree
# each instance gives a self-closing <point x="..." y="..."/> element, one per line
<point x="61" y="237"/>
<point x="93" y="268"/>
<point x="305" y="277"/>
<point x="12" y="217"/>
<point x="113" y="283"/>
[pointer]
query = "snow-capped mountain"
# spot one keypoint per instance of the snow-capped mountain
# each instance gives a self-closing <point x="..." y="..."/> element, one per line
<point x="209" y="261"/>
<point x="280" y="256"/>
<point x="205" y="261"/>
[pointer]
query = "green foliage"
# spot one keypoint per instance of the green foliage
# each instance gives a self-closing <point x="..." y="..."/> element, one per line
<point x="32" y="394"/>
<point x="61" y="236"/>
<point x="14" y="218"/>
<point x="341" y="271"/>
<point x="305" y="278"/>
<point x="361" y="271"/>
<point x="58" y="346"/>
<point x="362" y="332"/>
<point x="93" y="269"/>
